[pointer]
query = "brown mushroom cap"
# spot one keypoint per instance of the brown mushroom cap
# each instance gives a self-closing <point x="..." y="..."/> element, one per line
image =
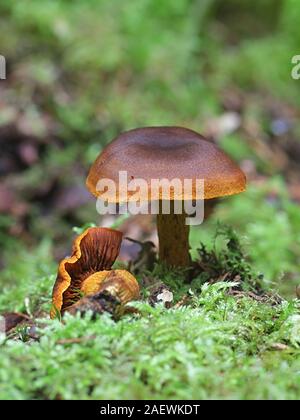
<point x="167" y="153"/>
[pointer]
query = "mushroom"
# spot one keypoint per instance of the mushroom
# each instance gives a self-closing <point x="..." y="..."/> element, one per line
<point x="88" y="271"/>
<point x="109" y="293"/>
<point x="167" y="153"/>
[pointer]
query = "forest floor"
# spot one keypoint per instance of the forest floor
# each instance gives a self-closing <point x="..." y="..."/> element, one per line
<point x="222" y="336"/>
<point x="78" y="74"/>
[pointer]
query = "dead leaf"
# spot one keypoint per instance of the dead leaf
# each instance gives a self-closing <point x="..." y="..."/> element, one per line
<point x="279" y="346"/>
<point x="11" y="319"/>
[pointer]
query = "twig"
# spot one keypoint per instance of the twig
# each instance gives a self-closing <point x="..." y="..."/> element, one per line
<point x="77" y="340"/>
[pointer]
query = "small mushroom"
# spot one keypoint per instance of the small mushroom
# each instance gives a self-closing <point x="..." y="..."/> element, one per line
<point x="167" y="153"/>
<point x="119" y="283"/>
<point x="107" y="291"/>
<point x="88" y="271"/>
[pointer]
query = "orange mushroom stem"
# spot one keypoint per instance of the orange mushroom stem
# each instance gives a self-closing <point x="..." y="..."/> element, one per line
<point x="173" y="236"/>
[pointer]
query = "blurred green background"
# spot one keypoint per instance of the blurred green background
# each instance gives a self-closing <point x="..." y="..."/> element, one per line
<point x="80" y="72"/>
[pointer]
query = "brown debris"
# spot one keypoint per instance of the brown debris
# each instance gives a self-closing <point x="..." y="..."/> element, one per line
<point x="158" y="292"/>
<point x="97" y="304"/>
<point x="13" y="319"/>
<point x="145" y="258"/>
<point x="77" y="340"/>
<point x="269" y="298"/>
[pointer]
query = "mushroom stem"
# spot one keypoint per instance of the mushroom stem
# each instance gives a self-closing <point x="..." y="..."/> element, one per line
<point x="173" y="236"/>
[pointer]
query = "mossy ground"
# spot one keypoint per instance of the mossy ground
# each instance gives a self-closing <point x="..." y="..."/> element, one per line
<point x="216" y="345"/>
<point x="79" y="73"/>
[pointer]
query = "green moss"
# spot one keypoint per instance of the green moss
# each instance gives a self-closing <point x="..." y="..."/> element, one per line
<point x="219" y="347"/>
<point x="93" y="69"/>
